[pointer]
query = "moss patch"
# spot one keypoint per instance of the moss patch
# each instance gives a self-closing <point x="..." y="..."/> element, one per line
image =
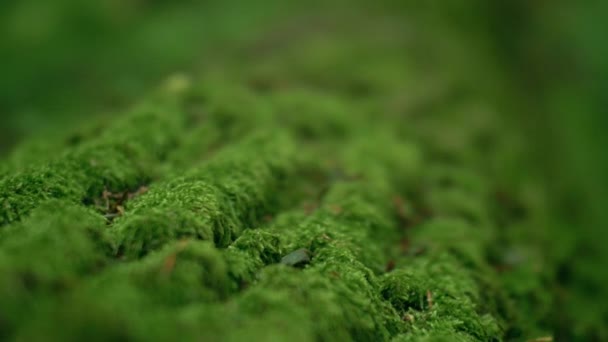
<point x="332" y="187"/>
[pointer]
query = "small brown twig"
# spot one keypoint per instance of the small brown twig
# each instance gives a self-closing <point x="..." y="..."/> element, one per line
<point x="169" y="264"/>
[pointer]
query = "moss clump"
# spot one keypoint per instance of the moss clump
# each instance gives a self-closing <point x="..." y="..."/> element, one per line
<point x="334" y="187"/>
<point x="48" y="255"/>
<point x="215" y="201"/>
<point x="124" y="157"/>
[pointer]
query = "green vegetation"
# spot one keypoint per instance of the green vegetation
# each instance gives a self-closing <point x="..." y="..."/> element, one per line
<point x="328" y="174"/>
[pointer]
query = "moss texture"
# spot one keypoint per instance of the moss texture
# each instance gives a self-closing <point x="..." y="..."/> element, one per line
<point x="302" y="195"/>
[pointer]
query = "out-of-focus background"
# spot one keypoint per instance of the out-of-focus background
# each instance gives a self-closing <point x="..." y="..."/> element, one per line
<point x="65" y="62"/>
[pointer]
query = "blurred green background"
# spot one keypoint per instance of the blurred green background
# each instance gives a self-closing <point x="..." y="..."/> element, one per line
<point x="64" y="62"/>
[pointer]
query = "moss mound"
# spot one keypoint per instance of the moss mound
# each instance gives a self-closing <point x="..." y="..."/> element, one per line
<point x="314" y="182"/>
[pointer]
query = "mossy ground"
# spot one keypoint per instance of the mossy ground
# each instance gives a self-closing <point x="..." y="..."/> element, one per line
<point x="407" y="196"/>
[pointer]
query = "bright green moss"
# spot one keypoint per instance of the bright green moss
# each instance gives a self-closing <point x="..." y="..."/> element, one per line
<point x="260" y="245"/>
<point x="215" y="201"/>
<point x="334" y="145"/>
<point x="136" y="235"/>
<point x="342" y="306"/>
<point x="337" y="294"/>
<point x="124" y="157"/>
<point x="200" y="252"/>
<point x="438" y="293"/>
<point x="444" y="289"/>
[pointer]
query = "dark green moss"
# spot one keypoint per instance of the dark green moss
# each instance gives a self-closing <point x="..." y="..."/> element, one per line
<point x="47" y="255"/>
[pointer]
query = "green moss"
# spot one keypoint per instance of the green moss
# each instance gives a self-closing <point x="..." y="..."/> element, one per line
<point x="136" y="235"/>
<point x="47" y="255"/>
<point x="182" y="272"/>
<point x="332" y="187"/>
<point x="124" y="157"/>
<point x="336" y="295"/>
<point x="216" y="201"/>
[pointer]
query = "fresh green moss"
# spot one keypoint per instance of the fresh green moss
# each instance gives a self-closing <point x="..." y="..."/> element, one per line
<point x="332" y="187"/>
<point x="124" y="157"/>
<point x="342" y="291"/>
<point x="215" y="201"/>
